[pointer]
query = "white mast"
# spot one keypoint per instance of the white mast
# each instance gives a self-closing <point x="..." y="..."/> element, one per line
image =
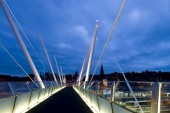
<point x="83" y="66"/>
<point x="91" y="54"/>
<point x="58" y="70"/>
<point x="21" y="43"/>
<point x="64" y="80"/>
<point x="61" y="74"/>
<point x="48" y="58"/>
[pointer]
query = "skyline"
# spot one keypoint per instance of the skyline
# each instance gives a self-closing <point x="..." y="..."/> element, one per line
<point x="140" y="41"/>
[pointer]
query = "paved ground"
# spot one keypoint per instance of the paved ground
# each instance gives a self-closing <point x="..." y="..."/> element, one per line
<point x="64" y="101"/>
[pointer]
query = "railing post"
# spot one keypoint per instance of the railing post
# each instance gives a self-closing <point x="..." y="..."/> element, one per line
<point x="29" y="99"/>
<point x="114" y="86"/>
<point x="156" y="97"/>
<point x="28" y="87"/>
<point x="98" y="87"/>
<point x="12" y="90"/>
<point x="14" y="104"/>
<point x="112" y="92"/>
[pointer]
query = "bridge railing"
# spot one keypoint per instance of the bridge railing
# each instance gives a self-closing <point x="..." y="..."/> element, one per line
<point x="19" y="97"/>
<point x="165" y="97"/>
<point x="98" y="96"/>
<point x="115" y="96"/>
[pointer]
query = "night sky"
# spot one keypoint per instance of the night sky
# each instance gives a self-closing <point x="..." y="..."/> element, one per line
<point x="141" y="40"/>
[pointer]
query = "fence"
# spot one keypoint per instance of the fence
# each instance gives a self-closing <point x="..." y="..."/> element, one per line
<point x="115" y="97"/>
<point x="19" y="97"/>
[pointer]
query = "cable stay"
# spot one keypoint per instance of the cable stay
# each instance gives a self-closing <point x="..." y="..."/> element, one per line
<point x="84" y="64"/>
<point x="17" y="63"/>
<point x="108" y="39"/>
<point x="133" y="94"/>
<point x="48" y="59"/>
<point x="21" y="42"/>
<point x="110" y="34"/>
<point x="35" y="52"/>
<point x="58" y="70"/>
<point x="62" y="74"/>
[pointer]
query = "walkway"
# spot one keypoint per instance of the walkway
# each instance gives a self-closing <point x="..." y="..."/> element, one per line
<point x="64" y="101"/>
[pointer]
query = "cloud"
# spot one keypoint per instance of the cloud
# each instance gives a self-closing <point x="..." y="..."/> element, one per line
<point x="135" y="16"/>
<point x="82" y="32"/>
<point x="165" y="45"/>
<point x="140" y="40"/>
<point x="64" y="46"/>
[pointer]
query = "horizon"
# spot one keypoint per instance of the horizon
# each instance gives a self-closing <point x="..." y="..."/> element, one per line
<point x="42" y="74"/>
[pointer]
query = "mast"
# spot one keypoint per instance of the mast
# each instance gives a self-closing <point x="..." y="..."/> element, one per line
<point x="64" y="79"/>
<point x="83" y="66"/>
<point x="21" y="43"/>
<point x="91" y="54"/>
<point x="58" y="70"/>
<point x="49" y="62"/>
<point x="61" y="74"/>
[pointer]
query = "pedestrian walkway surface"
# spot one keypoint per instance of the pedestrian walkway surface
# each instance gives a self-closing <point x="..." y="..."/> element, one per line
<point x="64" y="101"/>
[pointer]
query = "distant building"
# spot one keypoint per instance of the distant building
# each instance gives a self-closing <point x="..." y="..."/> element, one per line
<point x="102" y="72"/>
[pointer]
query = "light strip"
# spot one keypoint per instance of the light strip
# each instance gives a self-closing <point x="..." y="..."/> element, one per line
<point x="85" y="100"/>
<point x="42" y="100"/>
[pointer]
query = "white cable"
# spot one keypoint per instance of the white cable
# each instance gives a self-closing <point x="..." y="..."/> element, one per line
<point x="133" y="94"/>
<point x="108" y="39"/>
<point x="84" y="65"/>
<point x="27" y="38"/>
<point x="17" y="63"/>
<point x="113" y="27"/>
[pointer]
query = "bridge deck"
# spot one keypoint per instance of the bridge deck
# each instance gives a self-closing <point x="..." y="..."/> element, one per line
<point x="65" y="101"/>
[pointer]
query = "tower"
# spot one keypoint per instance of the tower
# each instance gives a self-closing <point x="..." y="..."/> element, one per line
<point x="101" y="72"/>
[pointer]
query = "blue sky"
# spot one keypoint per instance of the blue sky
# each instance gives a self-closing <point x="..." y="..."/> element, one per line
<point x="141" y="40"/>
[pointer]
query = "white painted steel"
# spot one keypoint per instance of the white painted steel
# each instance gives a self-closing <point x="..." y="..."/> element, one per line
<point x="48" y="59"/>
<point x="83" y="66"/>
<point x="91" y="52"/>
<point x="58" y="70"/>
<point x="21" y="43"/>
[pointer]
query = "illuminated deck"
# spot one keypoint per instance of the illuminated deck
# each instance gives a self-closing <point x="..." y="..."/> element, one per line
<point x="65" y="101"/>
